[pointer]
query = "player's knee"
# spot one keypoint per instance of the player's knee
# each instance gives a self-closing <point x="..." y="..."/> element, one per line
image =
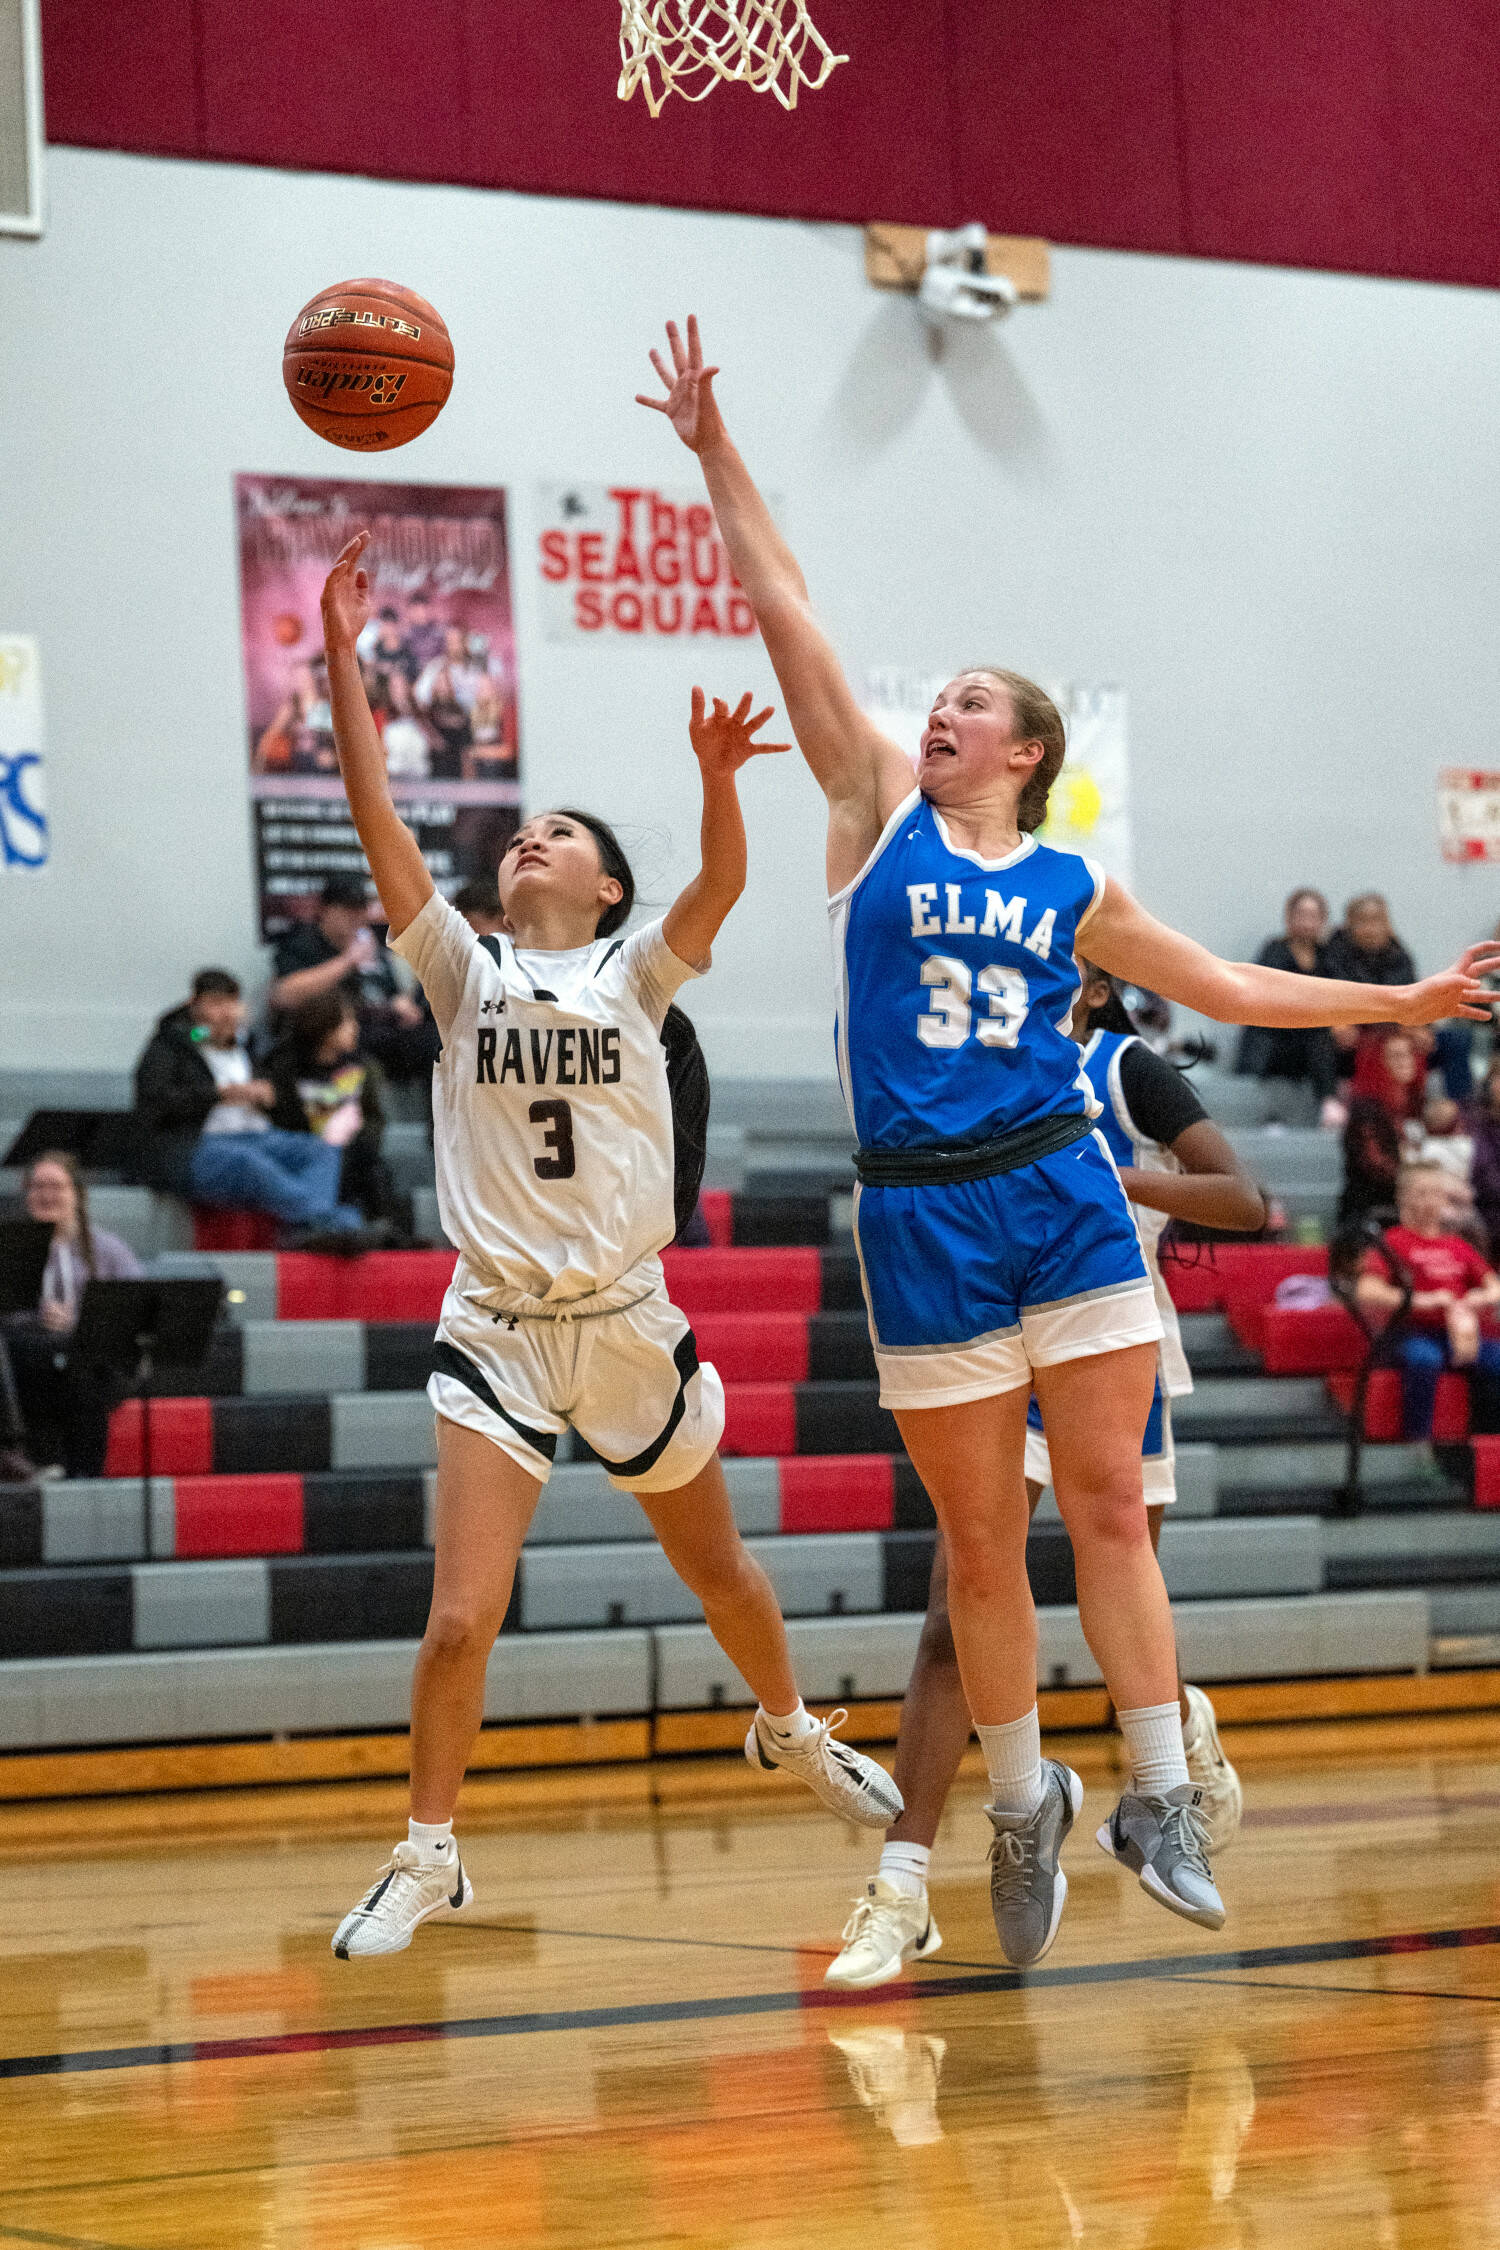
<point x="718" y="1574"/>
<point x="983" y="1567"/>
<point x="458" y="1629"/>
<point x="1108" y="1507"/>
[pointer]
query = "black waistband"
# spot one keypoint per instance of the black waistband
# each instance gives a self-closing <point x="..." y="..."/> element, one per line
<point x="954" y="1162"/>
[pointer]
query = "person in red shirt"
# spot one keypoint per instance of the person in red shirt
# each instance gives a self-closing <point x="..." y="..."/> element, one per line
<point x="1452" y="1289"/>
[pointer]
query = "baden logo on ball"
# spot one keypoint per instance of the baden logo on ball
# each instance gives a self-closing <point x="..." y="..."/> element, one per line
<point x="368" y="365"/>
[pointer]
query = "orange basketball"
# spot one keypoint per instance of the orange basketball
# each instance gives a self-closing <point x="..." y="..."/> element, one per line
<point x="368" y="365"/>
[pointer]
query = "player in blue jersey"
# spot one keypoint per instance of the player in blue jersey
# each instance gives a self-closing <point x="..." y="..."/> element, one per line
<point x="996" y="1245"/>
<point x="1173" y="1162"/>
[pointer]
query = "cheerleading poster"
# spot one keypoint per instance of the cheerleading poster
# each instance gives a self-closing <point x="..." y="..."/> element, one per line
<point x="439" y="666"/>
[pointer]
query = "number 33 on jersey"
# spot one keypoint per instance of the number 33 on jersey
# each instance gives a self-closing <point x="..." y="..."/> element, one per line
<point x="956" y="983"/>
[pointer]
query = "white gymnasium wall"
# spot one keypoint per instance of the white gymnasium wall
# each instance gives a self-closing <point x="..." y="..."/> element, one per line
<point x="1267" y="502"/>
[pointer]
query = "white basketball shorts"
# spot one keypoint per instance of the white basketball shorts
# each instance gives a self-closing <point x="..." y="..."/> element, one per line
<point x="1158" y="1454"/>
<point x="629" y="1382"/>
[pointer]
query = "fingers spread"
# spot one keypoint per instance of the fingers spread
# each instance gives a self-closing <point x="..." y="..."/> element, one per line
<point x="661" y="368"/>
<point x="657" y="405"/>
<point x="679" y="356"/>
<point x="697" y="707"/>
<point x="695" y="348"/>
<point x="760" y="717"/>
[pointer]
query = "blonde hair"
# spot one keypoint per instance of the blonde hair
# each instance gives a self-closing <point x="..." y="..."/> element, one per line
<point x="1034" y="718"/>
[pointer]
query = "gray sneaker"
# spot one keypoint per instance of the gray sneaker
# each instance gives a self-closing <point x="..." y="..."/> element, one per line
<point x="1028" y="1889"/>
<point x="1163" y="1840"/>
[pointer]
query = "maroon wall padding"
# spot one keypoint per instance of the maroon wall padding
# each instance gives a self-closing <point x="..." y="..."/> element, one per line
<point x="838" y="1492"/>
<point x="754" y="1347"/>
<point x="182" y="1438"/>
<point x="1358" y="134"/>
<point x="238" y="1516"/>
<point x="382" y="1285"/>
<point x="760" y="1419"/>
<point x="717" y="1206"/>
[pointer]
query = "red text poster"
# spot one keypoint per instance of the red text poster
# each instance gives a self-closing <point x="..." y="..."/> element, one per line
<point x="630" y="561"/>
<point x="439" y="664"/>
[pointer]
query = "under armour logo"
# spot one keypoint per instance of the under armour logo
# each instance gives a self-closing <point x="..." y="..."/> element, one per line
<point x="492" y="1007"/>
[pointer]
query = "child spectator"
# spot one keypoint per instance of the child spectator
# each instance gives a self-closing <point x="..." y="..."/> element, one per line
<point x="324" y="1086"/>
<point x="202" y="1128"/>
<point x="1452" y="1288"/>
<point x="1484" y="1172"/>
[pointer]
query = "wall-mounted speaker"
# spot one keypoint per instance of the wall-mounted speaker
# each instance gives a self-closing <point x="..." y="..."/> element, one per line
<point x="20" y="118"/>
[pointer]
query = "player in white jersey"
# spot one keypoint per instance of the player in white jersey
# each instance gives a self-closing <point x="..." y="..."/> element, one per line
<point x="554" y="1148"/>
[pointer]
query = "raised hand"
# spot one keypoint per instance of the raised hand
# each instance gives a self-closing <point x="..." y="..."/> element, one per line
<point x="346" y="597"/>
<point x="721" y="738"/>
<point x="690" y="405"/>
<point x="1458" y="991"/>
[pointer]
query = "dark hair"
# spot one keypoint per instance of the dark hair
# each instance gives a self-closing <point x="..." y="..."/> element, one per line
<point x="69" y="1164"/>
<point x="1111" y="1014"/>
<point x="482" y="896"/>
<point x="1305" y="890"/>
<point x="315" y="1019"/>
<point x="1034" y="718"/>
<point x="614" y="863"/>
<point x="343" y="890"/>
<point x="213" y="984"/>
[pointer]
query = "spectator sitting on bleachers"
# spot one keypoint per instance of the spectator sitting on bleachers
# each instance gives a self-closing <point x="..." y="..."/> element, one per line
<point x="58" y="1408"/>
<point x="1484" y="1170"/>
<point x="202" y="1131"/>
<point x="340" y="950"/>
<point x="1390" y="1068"/>
<point x="323" y="1085"/>
<point x="1298" y="1055"/>
<point x="1452" y="1289"/>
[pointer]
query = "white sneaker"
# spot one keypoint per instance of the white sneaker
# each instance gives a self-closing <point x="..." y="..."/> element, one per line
<point x="1222" y="1805"/>
<point x="887" y="1929"/>
<point x="846" y="1781"/>
<point x="402" y="1895"/>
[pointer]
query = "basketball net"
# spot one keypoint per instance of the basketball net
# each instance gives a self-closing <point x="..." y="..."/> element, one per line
<point x="687" y="46"/>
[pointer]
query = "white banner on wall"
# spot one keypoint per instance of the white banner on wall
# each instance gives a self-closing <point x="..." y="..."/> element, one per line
<point x="629" y="561"/>
<point x="24" y="834"/>
<point x="1469" y="813"/>
<point x="1089" y="809"/>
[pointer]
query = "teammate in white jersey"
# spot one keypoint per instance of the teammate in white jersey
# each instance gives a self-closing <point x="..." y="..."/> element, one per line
<point x="554" y="1149"/>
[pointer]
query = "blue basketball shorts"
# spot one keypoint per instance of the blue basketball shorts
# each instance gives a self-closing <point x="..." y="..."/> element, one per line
<point x="970" y="1287"/>
<point x="1158" y="1453"/>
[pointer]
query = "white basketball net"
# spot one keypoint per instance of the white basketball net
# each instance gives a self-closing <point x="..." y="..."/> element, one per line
<point x="687" y="47"/>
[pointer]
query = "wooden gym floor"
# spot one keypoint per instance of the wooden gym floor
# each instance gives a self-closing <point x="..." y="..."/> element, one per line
<point x="628" y="2041"/>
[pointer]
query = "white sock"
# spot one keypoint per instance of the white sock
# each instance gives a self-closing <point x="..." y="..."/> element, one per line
<point x="789" y="1727"/>
<point x="431" y="1838"/>
<point x="904" y="1867"/>
<point x="1153" y="1736"/>
<point x="1013" y="1758"/>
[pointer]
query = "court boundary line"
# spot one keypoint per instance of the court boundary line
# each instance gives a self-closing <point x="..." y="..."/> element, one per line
<point x="1184" y="1966"/>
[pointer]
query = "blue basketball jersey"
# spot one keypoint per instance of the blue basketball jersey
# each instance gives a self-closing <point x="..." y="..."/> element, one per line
<point x="956" y="985"/>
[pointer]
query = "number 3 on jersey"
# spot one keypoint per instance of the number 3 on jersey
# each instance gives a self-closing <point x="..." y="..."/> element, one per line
<point x="949" y="1013"/>
<point x="558" y="1119"/>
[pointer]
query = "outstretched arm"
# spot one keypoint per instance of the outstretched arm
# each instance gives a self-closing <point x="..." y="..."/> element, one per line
<point x="863" y="774"/>
<point x="722" y="743"/>
<point x="396" y="863"/>
<point x="1123" y="938"/>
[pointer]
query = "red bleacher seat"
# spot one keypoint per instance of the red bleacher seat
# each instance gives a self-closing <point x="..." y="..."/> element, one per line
<point x="759" y="1418"/>
<point x="1312" y="1340"/>
<point x="182" y="1438"/>
<point x="838" y="1492"/>
<point x="1230" y="1273"/>
<point x="239" y="1515"/>
<point x="1487" y="1472"/>
<point x="382" y="1285"/>
<point x="704" y="1281"/>
<point x="754" y="1347"/>
<point x="1450" y="1419"/>
<point x="232" y="1230"/>
<point x="717" y="1206"/>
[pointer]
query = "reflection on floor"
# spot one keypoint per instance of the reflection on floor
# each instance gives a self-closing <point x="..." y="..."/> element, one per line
<point x="630" y="2042"/>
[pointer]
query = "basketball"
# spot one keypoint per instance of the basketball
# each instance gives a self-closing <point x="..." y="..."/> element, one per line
<point x="368" y="365"/>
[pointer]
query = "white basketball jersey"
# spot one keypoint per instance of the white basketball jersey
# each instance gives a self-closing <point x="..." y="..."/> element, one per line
<point x="552" y="1118"/>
